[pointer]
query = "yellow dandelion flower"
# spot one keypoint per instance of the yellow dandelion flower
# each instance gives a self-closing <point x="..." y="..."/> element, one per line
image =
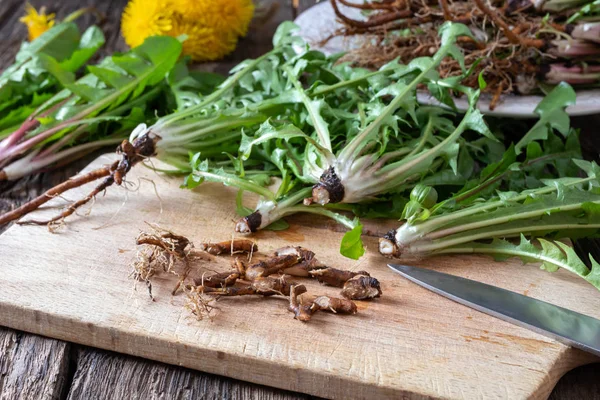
<point x="225" y="16"/>
<point x="192" y="9"/>
<point x="233" y="15"/>
<point x="212" y="26"/>
<point x="144" y="18"/>
<point x="203" y="43"/>
<point x="37" y="23"/>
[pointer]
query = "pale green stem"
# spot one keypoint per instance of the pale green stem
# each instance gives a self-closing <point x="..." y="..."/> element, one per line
<point x="361" y="139"/>
<point x="327" y="89"/>
<point x="314" y="114"/>
<point x="174" y="140"/>
<point x="508" y="218"/>
<point x="430" y="247"/>
<point x="433" y="223"/>
<point x="424" y="137"/>
<point x="319" y="210"/>
<point x="509" y="252"/>
<point x="237" y="182"/>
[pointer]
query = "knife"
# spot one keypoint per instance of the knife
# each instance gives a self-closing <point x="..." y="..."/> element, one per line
<point x="561" y="324"/>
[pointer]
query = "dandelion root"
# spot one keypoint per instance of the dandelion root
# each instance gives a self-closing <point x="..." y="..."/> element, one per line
<point x="361" y="287"/>
<point x="163" y="249"/>
<point x="335" y="277"/>
<point x="230" y="247"/>
<point x="131" y="154"/>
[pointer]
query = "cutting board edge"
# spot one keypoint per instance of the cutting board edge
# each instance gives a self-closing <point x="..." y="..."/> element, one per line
<point x="569" y="359"/>
<point x="102" y="338"/>
<point x="232" y="365"/>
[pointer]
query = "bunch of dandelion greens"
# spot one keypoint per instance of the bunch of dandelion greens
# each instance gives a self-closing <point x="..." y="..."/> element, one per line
<point x="98" y="109"/>
<point x="511" y="200"/>
<point x="202" y="124"/>
<point x="27" y="86"/>
<point x="308" y="134"/>
<point x="371" y="157"/>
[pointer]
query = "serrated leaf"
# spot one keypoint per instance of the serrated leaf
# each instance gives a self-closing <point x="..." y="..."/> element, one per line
<point x="552" y="115"/>
<point x="552" y="255"/>
<point x="268" y="132"/>
<point x="284" y="31"/>
<point x="475" y="121"/>
<point x="91" y="40"/>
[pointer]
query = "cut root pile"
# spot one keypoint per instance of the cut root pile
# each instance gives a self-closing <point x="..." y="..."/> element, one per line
<point x="204" y="280"/>
<point x="516" y="45"/>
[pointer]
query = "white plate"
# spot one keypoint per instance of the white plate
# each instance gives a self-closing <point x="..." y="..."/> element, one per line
<point x="319" y="22"/>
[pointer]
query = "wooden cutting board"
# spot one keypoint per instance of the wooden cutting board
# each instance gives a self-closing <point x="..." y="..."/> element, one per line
<point x="74" y="285"/>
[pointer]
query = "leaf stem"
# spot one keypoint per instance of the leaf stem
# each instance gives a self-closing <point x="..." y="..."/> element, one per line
<point x="237" y="182"/>
<point x="317" y="120"/>
<point x="321" y="90"/>
<point x="320" y="210"/>
<point x="217" y="94"/>
<point x="441" y="220"/>
<point x="434" y="247"/>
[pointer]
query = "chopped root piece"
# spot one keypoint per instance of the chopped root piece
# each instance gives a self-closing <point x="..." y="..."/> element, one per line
<point x="162" y="249"/>
<point x="335" y="305"/>
<point x="230" y="247"/>
<point x="307" y="261"/>
<point x="298" y="251"/>
<point x="166" y="240"/>
<point x="335" y="277"/>
<point x="361" y="287"/>
<point x="264" y="286"/>
<point x="302" y="312"/>
<point x="270" y="266"/>
<point x="221" y="279"/>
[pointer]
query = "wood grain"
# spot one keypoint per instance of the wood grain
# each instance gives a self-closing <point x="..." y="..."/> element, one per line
<point x="100" y="373"/>
<point x="31" y="368"/>
<point x="408" y="343"/>
<point x="581" y="383"/>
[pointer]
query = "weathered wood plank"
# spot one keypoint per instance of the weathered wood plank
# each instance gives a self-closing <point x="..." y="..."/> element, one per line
<point x="581" y="383"/>
<point x="32" y="367"/>
<point x="100" y="374"/>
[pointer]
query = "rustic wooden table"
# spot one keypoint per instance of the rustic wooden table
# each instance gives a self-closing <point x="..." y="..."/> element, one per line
<point x="34" y="367"/>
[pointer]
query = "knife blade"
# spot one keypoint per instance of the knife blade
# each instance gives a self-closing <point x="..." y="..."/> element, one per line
<point x="563" y="325"/>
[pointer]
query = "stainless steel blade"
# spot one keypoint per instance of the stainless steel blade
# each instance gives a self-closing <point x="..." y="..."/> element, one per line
<point x="561" y="324"/>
